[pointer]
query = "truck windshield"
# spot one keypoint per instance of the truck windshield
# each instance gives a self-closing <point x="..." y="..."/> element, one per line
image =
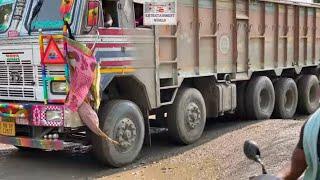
<point x="49" y="17"/>
<point x="6" y="11"/>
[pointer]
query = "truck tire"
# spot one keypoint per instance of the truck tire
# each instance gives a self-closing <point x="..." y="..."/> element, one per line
<point x="286" y="92"/>
<point x="260" y="98"/>
<point x="308" y="89"/>
<point x="241" y="104"/>
<point x="123" y="122"/>
<point x="187" y="116"/>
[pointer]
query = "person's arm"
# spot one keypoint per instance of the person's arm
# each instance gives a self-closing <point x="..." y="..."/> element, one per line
<point x="296" y="167"/>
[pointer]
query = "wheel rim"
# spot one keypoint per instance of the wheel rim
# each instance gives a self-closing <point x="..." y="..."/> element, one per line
<point x="288" y="99"/>
<point x="313" y="94"/>
<point x="264" y="99"/>
<point x="193" y="116"/>
<point x="126" y="134"/>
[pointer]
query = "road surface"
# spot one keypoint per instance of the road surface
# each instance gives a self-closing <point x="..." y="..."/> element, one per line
<point x="217" y="155"/>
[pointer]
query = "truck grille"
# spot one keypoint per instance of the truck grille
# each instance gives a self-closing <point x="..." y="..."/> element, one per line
<point x="30" y="79"/>
<point x="17" y="80"/>
<point x="50" y="71"/>
<point x="17" y="92"/>
<point x="24" y="72"/>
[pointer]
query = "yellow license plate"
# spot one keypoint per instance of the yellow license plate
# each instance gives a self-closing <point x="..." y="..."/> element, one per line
<point x="8" y="128"/>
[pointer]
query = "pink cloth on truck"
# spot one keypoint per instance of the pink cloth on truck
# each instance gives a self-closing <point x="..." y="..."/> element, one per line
<point x="90" y="118"/>
<point x="81" y="78"/>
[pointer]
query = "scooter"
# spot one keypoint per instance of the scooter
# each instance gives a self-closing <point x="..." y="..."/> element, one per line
<point x="252" y="151"/>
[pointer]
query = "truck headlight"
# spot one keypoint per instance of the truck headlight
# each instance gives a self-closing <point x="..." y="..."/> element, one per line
<point x="53" y="115"/>
<point x="58" y="87"/>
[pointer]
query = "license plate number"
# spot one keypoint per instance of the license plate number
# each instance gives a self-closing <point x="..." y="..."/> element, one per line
<point x="8" y="128"/>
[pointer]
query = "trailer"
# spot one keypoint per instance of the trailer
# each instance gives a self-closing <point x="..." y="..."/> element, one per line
<point x="256" y="59"/>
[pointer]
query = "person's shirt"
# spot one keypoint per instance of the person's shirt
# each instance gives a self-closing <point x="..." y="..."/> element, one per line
<point x="139" y="21"/>
<point x="300" y="143"/>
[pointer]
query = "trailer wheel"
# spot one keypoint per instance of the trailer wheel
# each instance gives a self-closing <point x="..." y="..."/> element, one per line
<point x="308" y="89"/>
<point x="187" y="116"/>
<point x="241" y="104"/>
<point x="260" y="98"/>
<point x="122" y="121"/>
<point x="286" y="92"/>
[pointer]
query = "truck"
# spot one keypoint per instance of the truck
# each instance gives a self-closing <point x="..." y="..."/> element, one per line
<point x="255" y="59"/>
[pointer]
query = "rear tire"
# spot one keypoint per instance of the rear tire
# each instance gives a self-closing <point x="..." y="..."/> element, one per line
<point x="286" y="92"/>
<point x="187" y="116"/>
<point x="308" y="89"/>
<point x="260" y="98"/>
<point x="122" y="121"/>
<point x="241" y="103"/>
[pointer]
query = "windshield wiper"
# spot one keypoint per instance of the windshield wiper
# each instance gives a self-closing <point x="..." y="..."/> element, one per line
<point x="35" y="12"/>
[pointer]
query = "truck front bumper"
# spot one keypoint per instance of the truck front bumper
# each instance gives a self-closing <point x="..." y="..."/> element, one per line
<point x="55" y="145"/>
<point x="36" y="115"/>
<point x="50" y="145"/>
<point x="39" y="115"/>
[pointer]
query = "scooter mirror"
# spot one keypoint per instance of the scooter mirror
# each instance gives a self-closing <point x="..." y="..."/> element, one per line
<point x="251" y="150"/>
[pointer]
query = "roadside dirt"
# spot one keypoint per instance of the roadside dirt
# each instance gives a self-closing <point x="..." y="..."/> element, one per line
<point x="223" y="158"/>
<point x="217" y="155"/>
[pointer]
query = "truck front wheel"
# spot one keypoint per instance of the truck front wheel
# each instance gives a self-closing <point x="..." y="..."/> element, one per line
<point x="123" y="122"/>
<point x="187" y="116"/>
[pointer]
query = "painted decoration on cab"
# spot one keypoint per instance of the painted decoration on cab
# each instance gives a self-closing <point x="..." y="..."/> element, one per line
<point x="52" y="54"/>
<point x="93" y="11"/>
<point x="65" y="9"/>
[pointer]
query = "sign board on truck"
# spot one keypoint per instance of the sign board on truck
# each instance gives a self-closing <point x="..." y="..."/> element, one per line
<point x="160" y="12"/>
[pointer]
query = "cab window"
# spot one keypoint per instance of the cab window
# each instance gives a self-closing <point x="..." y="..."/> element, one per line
<point x="138" y="14"/>
<point x="110" y="13"/>
<point x="49" y="17"/>
<point x="6" y="11"/>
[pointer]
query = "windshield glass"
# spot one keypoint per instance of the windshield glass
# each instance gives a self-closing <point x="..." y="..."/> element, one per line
<point x="6" y="11"/>
<point x="49" y="17"/>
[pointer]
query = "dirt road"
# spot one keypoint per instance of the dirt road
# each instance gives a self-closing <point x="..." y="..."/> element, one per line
<point x="222" y="157"/>
<point x="218" y="155"/>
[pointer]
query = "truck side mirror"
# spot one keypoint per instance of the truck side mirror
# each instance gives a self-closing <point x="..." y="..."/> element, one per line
<point x="93" y="13"/>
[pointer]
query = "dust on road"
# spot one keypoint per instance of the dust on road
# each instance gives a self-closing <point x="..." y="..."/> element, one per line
<point x="222" y="158"/>
<point x="217" y="155"/>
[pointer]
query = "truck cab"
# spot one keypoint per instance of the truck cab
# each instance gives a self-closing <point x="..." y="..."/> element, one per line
<point x="192" y="60"/>
<point x="31" y="119"/>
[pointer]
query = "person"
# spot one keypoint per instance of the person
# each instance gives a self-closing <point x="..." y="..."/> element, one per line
<point x="138" y="8"/>
<point x="139" y="21"/>
<point x="108" y="21"/>
<point x="305" y="157"/>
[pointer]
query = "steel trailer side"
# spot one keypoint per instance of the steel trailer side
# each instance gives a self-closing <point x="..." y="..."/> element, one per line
<point x="238" y="38"/>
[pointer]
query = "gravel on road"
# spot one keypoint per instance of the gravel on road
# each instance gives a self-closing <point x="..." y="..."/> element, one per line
<point x="217" y="155"/>
<point x="223" y="158"/>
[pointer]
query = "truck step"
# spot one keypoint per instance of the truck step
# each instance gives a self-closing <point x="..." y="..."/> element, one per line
<point x="168" y="36"/>
<point x="168" y="62"/>
<point x="168" y="87"/>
